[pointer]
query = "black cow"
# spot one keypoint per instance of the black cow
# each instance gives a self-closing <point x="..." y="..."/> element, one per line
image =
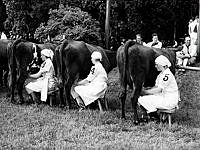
<point x="75" y="63"/>
<point x="21" y="56"/>
<point x="4" y="44"/>
<point x="137" y="69"/>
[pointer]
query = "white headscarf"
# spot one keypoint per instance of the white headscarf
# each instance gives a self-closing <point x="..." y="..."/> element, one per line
<point x="47" y="53"/>
<point x="96" y="55"/>
<point x="163" y="61"/>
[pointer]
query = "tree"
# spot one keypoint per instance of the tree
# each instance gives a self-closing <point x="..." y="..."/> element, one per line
<point x="25" y="16"/>
<point x="166" y="17"/>
<point x="3" y="15"/>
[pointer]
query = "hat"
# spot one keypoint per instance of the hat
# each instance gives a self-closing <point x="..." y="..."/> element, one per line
<point x="96" y="55"/>
<point x="163" y="61"/>
<point x="47" y="53"/>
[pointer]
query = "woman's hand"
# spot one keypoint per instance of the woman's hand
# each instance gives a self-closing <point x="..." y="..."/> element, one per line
<point x="36" y="75"/>
<point x="82" y="82"/>
<point x="143" y="92"/>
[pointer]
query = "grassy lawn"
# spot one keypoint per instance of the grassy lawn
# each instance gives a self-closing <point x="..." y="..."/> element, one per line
<point x="44" y="127"/>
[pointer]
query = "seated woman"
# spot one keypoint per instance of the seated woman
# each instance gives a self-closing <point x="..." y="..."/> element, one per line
<point x="164" y="95"/>
<point x="44" y="79"/>
<point x="94" y="86"/>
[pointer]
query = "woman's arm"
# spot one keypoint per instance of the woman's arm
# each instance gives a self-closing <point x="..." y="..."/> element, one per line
<point x="153" y="90"/>
<point x="45" y="68"/>
<point x="36" y="75"/>
<point x="82" y="82"/>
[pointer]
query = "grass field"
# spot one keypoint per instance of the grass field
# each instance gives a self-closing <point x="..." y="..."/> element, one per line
<point x="30" y="127"/>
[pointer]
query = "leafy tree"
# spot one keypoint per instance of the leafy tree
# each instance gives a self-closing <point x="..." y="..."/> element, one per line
<point x="3" y="15"/>
<point x="72" y="23"/>
<point x="25" y="16"/>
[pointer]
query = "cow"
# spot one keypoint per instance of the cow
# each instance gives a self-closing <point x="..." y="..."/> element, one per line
<point x="4" y="44"/>
<point x="137" y="69"/>
<point x="22" y="54"/>
<point x="75" y="63"/>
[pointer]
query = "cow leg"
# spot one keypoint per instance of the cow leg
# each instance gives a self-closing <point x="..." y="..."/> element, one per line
<point x="67" y="89"/>
<point x="5" y="78"/>
<point x="1" y="77"/>
<point x="12" y="83"/>
<point x="20" y="84"/>
<point x="134" y="101"/>
<point x="123" y="98"/>
<point x="62" y="102"/>
<point x="68" y="93"/>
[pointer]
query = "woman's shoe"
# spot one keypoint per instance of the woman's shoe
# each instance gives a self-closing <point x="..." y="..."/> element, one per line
<point x="154" y="116"/>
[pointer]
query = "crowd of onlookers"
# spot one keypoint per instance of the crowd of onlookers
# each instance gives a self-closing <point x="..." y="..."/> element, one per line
<point x="188" y="53"/>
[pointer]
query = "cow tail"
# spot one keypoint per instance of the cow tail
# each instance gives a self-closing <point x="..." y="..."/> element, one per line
<point x="62" y="47"/>
<point x="125" y="65"/>
<point x="13" y="67"/>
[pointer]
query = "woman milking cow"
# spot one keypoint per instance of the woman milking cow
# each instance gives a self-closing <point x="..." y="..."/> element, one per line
<point x="164" y="95"/>
<point x="43" y="80"/>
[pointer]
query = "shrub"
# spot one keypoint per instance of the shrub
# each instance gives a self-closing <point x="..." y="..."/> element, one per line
<point x="70" y="23"/>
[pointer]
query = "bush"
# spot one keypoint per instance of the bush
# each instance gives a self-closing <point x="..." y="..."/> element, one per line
<point x="69" y="23"/>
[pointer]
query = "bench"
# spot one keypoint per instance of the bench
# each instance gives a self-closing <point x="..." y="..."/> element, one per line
<point x="166" y="113"/>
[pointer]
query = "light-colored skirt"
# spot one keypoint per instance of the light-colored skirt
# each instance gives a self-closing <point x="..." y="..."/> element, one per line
<point x="153" y="102"/>
<point x="90" y="92"/>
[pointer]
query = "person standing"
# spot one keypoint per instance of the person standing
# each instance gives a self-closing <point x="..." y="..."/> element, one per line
<point x="194" y="31"/>
<point x="190" y="24"/>
<point x="155" y="42"/>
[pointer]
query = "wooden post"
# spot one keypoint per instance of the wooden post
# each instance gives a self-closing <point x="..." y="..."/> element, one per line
<point x="107" y="23"/>
<point x="198" y="37"/>
<point x="175" y="30"/>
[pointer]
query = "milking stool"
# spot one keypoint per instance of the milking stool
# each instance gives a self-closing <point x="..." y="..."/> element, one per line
<point x="99" y="103"/>
<point x="166" y="113"/>
<point x="52" y="94"/>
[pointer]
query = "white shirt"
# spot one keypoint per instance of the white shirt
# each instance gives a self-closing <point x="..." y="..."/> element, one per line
<point x="158" y="44"/>
<point x="191" y="50"/>
<point x="97" y="73"/>
<point x="194" y="28"/>
<point x="166" y="81"/>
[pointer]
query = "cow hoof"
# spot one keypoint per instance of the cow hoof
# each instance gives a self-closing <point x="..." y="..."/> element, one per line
<point x="17" y="103"/>
<point x="13" y="102"/>
<point x="20" y="102"/>
<point x="123" y="117"/>
<point x="62" y="105"/>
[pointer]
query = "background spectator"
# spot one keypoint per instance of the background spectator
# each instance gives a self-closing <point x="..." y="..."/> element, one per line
<point x="155" y="42"/>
